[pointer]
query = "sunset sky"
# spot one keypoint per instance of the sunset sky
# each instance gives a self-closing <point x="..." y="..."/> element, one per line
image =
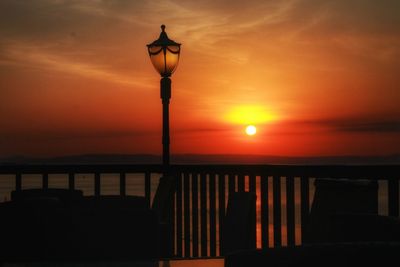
<point x="316" y="78"/>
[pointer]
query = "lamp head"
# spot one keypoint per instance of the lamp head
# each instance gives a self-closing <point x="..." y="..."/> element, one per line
<point x="164" y="54"/>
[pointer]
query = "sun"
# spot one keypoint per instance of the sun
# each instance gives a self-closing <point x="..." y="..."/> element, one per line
<point x="251" y="130"/>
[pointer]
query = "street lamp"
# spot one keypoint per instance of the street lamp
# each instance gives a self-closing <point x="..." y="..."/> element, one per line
<point x="164" y="54"/>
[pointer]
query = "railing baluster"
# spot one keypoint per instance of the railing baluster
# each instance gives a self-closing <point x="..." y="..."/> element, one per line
<point x="264" y="212"/>
<point x="179" y="215"/>
<point x="305" y="206"/>
<point x="203" y="213"/>
<point x="241" y="183"/>
<point x="252" y="189"/>
<point x="122" y="184"/>
<point x="97" y="184"/>
<point x="173" y="220"/>
<point x="186" y="211"/>
<point x="221" y="209"/>
<point x="252" y="183"/>
<point x="393" y="197"/>
<point x="231" y="183"/>
<point x="195" y="215"/>
<point x="213" y="220"/>
<point x="147" y="188"/>
<point x="290" y="211"/>
<point x="71" y="181"/>
<point x="277" y="211"/>
<point x="45" y="181"/>
<point x="18" y="181"/>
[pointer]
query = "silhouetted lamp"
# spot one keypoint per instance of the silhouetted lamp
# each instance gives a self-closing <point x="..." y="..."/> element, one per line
<point x="164" y="54"/>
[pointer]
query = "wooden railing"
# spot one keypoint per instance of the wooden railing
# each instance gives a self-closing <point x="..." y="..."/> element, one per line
<point x="202" y="193"/>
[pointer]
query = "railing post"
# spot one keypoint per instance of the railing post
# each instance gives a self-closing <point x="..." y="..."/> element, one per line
<point x="45" y="181"/>
<point x="122" y="184"/>
<point x="97" y="184"/>
<point x="147" y="188"/>
<point x="305" y="206"/>
<point x="71" y="181"/>
<point x="231" y="183"/>
<point x="18" y="182"/>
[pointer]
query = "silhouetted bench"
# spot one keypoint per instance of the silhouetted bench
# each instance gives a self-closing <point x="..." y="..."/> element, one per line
<point x="63" y="195"/>
<point x="57" y="224"/>
<point x="364" y="227"/>
<point x="333" y="200"/>
<point x="239" y="229"/>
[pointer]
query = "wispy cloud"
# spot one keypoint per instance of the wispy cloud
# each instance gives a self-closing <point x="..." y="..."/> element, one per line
<point x="72" y="134"/>
<point x="354" y="125"/>
<point x="368" y="126"/>
<point x="39" y="57"/>
<point x="294" y="57"/>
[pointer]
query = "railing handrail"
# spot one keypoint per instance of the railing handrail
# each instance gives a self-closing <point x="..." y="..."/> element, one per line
<point x="331" y="171"/>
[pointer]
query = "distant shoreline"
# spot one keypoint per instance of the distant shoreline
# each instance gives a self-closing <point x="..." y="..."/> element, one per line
<point x="203" y="159"/>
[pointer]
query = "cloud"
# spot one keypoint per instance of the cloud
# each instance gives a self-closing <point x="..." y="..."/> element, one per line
<point x="201" y="130"/>
<point x="355" y="125"/>
<point x="74" y="135"/>
<point x="207" y="26"/>
<point x="368" y="126"/>
<point x="39" y="57"/>
<point x="89" y="38"/>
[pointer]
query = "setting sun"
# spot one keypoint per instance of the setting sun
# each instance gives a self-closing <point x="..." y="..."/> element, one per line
<point x="251" y="130"/>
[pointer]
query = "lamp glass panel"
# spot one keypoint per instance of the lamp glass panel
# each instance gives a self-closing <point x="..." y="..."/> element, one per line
<point x="155" y="49"/>
<point x="174" y="48"/>
<point x="157" y="59"/>
<point x="172" y="59"/>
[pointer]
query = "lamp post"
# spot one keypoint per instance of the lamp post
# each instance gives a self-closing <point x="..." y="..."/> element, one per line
<point x="164" y="54"/>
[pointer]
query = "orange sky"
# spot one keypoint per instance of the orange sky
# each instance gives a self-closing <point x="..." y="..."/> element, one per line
<point x="314" y="77"/>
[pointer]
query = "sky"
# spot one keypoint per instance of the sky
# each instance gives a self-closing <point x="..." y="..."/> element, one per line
<point x="316" y="78"/>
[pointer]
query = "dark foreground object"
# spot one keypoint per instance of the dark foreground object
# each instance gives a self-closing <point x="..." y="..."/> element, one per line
<point x="327" y="255"/>
<point x="239" y="231"/>
<point x="338" y="203"/>
<point x="62" y="225"/>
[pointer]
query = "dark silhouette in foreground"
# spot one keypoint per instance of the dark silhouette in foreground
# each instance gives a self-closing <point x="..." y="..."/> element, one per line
<point x="347" y="211"/>
<point x="317" y="255"/>
<point x="63" y="225"/>
<point x="48" y="224"/>
<point x="344" y="229"/>
<point x="239" y="229"/>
